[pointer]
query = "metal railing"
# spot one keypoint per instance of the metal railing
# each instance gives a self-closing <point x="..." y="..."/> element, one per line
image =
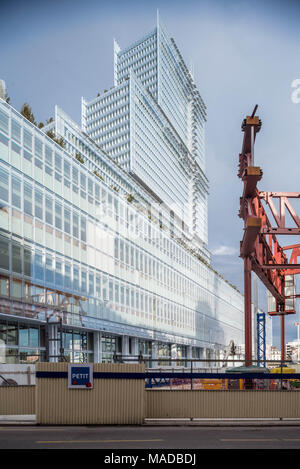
<point x="205" y="374"/>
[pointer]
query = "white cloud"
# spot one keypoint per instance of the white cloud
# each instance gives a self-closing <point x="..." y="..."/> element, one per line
<point x="224" y="251"/>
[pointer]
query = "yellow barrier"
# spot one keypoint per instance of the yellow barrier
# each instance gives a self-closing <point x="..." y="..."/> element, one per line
<point x="17" y="400"/>
<point x="110" y="401"/>
<point x="162" y="404"/>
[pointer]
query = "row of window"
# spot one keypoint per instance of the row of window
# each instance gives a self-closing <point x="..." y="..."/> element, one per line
<point x="40" y="203"/>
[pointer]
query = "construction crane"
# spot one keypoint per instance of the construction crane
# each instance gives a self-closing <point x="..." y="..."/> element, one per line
<point x="259" y="247"/>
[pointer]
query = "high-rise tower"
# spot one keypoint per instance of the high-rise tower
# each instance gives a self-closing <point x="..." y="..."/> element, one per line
<point x="152" y="123"/>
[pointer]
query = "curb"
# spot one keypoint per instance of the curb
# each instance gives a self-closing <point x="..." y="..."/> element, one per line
<point x="222" y="422"/>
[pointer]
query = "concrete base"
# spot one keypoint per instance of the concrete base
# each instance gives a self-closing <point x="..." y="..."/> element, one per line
<point x="17" y="419"/>
<point x="222" y="422"/>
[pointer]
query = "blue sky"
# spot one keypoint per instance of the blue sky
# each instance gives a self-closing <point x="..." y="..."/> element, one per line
<point x="243" y="53"/>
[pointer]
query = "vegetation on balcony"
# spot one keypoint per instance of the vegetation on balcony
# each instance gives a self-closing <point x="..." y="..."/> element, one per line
<point x="98" y="175"/>
<point x="79" y="158"/>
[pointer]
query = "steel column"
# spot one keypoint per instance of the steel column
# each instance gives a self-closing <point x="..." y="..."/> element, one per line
<point x="282" y="327"/>
<point x="248" y="311"/>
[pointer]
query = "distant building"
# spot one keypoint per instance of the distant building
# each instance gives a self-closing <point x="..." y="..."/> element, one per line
<point x="273" y="354"/>
<point x="2" y="90"/>
<point x="292" y="350"/>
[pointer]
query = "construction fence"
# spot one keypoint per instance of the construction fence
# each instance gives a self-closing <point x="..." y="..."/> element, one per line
<point x="120" y="394"/>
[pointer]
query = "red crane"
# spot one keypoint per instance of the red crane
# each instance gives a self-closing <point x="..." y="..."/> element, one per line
<point x="259" y="247"/>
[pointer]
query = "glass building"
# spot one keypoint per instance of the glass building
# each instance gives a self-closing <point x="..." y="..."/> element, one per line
<point x="107" y="232"/>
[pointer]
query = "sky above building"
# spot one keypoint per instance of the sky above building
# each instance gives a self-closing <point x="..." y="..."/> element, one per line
<point x="241" y="54"/>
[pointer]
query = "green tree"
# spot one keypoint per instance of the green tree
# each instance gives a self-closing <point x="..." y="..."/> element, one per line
<point x="26" y="111"/>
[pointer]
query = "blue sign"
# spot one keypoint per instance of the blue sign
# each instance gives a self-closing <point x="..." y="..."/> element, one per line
<point x="80" y="376"/>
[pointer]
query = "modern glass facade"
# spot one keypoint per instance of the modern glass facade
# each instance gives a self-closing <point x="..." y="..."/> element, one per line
<point x="89" y="234"/>
<point x="152" y="124"/>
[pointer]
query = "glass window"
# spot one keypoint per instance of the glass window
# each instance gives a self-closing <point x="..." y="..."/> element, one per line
<point x="132" y="298"/>
<point x="3" y="328"/>
<point x="28" y="355"/>
<point x="4" y="286"/>
<point x="16" y="191"/>
<point x="122" y="295"/>
<point x="58" y="273"/>
<point x="49" y="210"/>
<point x="38" y="147"/>
<point x="67" y="276"/>
<point x="15" y="154"/>
<point x="121" y="250"/>
<point x="39" y="267"/>
<point x="12" y="334"/>
<point x="91" y="284"/>
<point x="104" y="288"/>
<point x="75" y="176"/>
<point x="27" y="261"/>
<point x="75" y="225"/>
<point x="27" y="198"/>
<point x="49" y="155"/>
<point x="16" y="130"/>
<point x="67" y="220"/>
<point x="58" y="215"/>
<point x="23" y="336"/>
<point x="27" y="139"/>
<point x="98" y="286"/>
<point x="83" y="281"/>
<point x="116" y="249"/>
<point x="4" y="253"/>
<point x="83" y="228"/>
<point x="16" y="288"/>
<point x="27" y="156"/>
<point x="49" y="269"/>
<point x="3" y="121"/>
<point x="3" y="147"/>
<point x="67" y="169"/>
<point x="4" y="184"/>
<point x="67" y="340"/>
<point x="111" y="291"/>
<point x="126" y="254"/>
<point x="82" y="181"/>
<point x="16" y="258"/>
<point x="58" y="162"/>
<point x="38" y="209"/>
<point x="90" y="186"/>
<point x="76" y="278"/>
<point x="97" y="191"/>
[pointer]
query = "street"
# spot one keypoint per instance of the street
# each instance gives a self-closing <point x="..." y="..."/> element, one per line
<point x="149" y="437"/>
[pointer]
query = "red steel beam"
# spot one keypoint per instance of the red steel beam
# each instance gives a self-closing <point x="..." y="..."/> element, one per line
<point x="259" y="248"/>
<point x="281" y="266"/>
<point x="247" y="311"/>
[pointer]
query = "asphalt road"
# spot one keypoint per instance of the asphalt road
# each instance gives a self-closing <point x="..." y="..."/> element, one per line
<point x="149" y="437"/>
